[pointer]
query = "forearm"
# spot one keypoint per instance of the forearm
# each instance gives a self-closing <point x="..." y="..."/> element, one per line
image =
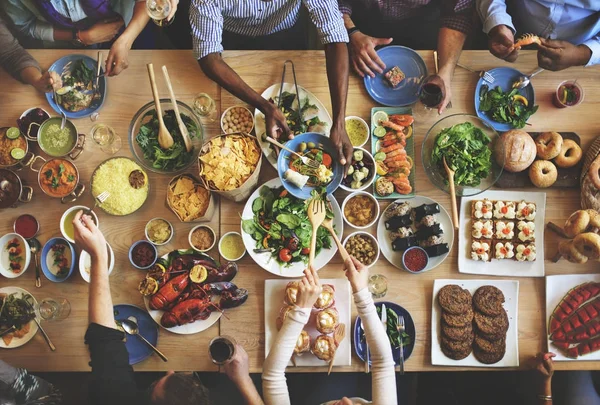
<point x="249" y="392"/>
<point x="348" y="23"/>
<point x="136" y="25"/>
<point x="100" y="301"/>
<point x="336" y="55"/>
<point x="60" y="34"/>
<point x="450" y="44"/>
<point x="545" y="390"/>
<point x="493" y="13"/>
<point x="30" y="75"/>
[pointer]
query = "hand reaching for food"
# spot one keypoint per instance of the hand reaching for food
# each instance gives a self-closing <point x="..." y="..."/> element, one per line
<point x="357" y="273"/>
<point x="501" y="43"/>
<point x="363" y="56"/>
<point x="343" y="146"/>
<point x="558" y="55"/>
<point x="88" y="236"/>
<point x="544" y="365"/>
<point x="276" y="123"/>
<point x="309" y="289"/>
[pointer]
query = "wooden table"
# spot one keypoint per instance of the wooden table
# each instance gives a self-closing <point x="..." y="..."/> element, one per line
<point x="129" y="91"/>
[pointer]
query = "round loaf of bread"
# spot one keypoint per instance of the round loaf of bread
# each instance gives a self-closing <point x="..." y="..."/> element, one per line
<point x="519" y="150"/>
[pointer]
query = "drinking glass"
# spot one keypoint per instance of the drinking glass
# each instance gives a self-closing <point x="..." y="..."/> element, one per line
<point x="106" y="137"/>
<point x="431" y="94"/>
<point x="159" y="10"/>
<point x="221" y="349"/>
<point x="378" y="285"/>
<point x="54" y="309"/>
<point x="204" y="107"/>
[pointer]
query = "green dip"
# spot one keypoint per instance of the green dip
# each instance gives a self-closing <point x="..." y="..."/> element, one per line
<point x="55" y="141"/>
<point x="357" y="132"/>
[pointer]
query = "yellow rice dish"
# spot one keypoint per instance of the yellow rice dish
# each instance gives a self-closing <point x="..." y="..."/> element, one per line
<point x="126" y="182"/>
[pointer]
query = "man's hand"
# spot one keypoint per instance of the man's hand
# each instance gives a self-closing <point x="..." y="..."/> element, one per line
<point x="558" y="55"/>
<point x="44" y="83"/>
<point x="357" y="274"/>
<point x="174" y="4"/>
<point x="309" y="289"/>
<point x="343" y="146"/>
<point x="237" y="369"/>
<point x="446" y="92"/>
<point x="100" y="32"/>
<point x="118" y="57"/>
<point x="89" y="237"/>
<point x="363" y="56"/>
<point x="501" y="43"/>
<point x="275" y="123"/>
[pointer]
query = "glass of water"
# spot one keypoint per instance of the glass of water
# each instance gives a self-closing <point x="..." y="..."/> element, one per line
<point x="54" y="309"/>
<point x="378" y="285"/>
<point x="106" y="137"/>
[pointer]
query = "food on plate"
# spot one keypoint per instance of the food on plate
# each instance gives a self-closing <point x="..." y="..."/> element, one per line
<point x="302" y="343"/>
<point x="30" y="123"/>
<point x="391" y="329"/>
<point x="568" y="250"/>
<point x="467" y="152"/>
<point x="526" y="211"/>
<point x="543" y="173"/>
<point x="526" y="39"/>
<point x="174" y="158"/>
<point x="363" y="248"/>
<point x="56" y="141"/>
<point x="360" y="172"/>
<point x="582" y="221"/>
<point x="454" y="299"/>
<point x="202" y="238"/>
<point x="143" y="254"/>
<point x="525" y="252"/>
<point x="384" y="186"/>
<point x="148" y="286"/>
<point x="114" y="176"/>
<point x="75" y="93"/>
<point x="415" y="259"/>
<point x="326" y="298"/>
<point x="280" y="223"/>
<point x="505" y="210"/>
<point x="394" y="76"/>
<point x="237" y="119"/>
<point x="226" y="162"/>
<point x="481" y="250"/>
<point x="324" y="347"/>
<point x="519" y="150"/>
<point x="568" y="94"/>
<point x="18" y="312"/>
<point x="357" y="131"/>
<point x="232" y="246"/>
<point x="299" y="121"/>
<point x="482" y="230"/>
<point x="526" y="231"/>
<point x="291" y="292"/>
<point x="570" y="154"/>
<point x="508" y="107"/>
<point x="482" y="209"/>
<point x="59" y="260"/>
<point x="16" y="255"/>
<point x="58" y="177"/>
<point x="456" y="331"/>
<point x="320" y="176"/>
<point x="360" y="210"/>
<point x="159" y="231"/>
<point x="504" y="250"/>
<point x="12" y="149"/>
<point x="187" y="199"/>
<point x="327" y="320"/>
<point x="589" y="244"/>
<point x="460" y="320"/>
<point x="549" y="145"/>
<point x="504" y="230"/>
<point x="488" y="300"/>
<point x="297" y="179"/>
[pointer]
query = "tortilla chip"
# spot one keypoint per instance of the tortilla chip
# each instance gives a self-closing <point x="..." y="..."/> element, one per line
<point x="183" y="185"/>
<point x="190" y="203"/>
<point x="7" y="338"/>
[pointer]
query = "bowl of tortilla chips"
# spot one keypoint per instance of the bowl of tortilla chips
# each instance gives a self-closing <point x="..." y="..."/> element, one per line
<point x="189" y="200"/>
<point x="230" y="164"/>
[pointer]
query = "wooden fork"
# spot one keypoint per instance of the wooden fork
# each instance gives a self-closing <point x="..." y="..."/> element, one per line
<point x="328" y="224"/>
<point x="338" y="335"/>
<point x="316" y="216"/>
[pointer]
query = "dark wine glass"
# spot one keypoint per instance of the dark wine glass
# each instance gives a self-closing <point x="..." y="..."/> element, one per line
<point x="221" y="349"/>
<point x="431" y="95"/>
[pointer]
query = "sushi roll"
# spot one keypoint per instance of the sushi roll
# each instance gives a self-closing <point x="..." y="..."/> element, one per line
<point x="481" y="250"/>
<point x="504" y="230"/>
<point x="426" y="221"/>
<point x="482" y="209"/>
<point x="525" y="252"/>
<point x="526" y="211"/>
<point x="401" y="233"/>
<point x="425" y="233"/>
<point x="431" y="241"/>
<point x="504" y="250"/>
<point x="425" y="209"/>
<point x="504" y="210"/>
<point x="297" y="179"/>
<point x="398" y="222"/>
<point x="482" y="229"/>
<point x="397" y="210"/>
<point x="526" y="231"/>
<point x="401" y="244"/>
<point x="437" y="250"/>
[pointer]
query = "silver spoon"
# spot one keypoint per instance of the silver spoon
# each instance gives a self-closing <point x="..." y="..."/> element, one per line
<point x="524" y="80"/>
<point x="132" y="329"/>
<point x="35" y="246"/>
<point x="62" y="113"/>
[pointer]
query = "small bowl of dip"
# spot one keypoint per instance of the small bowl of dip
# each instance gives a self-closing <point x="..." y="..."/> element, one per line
<point x="415" y="259"/>
<point x="231" y="246"/>
<point x="357" y="130"/>
<point x="143" y="254"/>
<point x="159" y="231"/>
<point x="202" y="238"/>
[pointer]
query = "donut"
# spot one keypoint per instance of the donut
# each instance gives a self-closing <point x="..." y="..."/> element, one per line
<point x="577" y="223"/>
<point x="588" y="244"/>
<point x="543" y="173"/>
<point x="570" y="154"/>
<point x="549" y="145"/>
<point x="594" y="173"/>
<point x="568" y="251"/>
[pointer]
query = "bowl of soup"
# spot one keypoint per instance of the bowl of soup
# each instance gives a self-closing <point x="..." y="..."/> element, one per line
<point x="57" y="142"/>
<point x="66" y="221"/>
<point x="58" y="260"/>
<point x="58" y="178"/>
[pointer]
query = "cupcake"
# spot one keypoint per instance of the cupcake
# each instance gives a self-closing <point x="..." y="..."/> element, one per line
<point x="324" y="347"/>
<point x="326" y="298"/>
<point x="327" y="320"/>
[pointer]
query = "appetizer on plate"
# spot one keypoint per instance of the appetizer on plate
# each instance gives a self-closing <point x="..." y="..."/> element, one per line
<point x="302" y="344"/>
<point x="324" y="347"/>
<point x="327" y="320"/>
<point x="15" y="310"/>
<point x="300" y="174"/>
<point x="326" y="298"/>
<point x="394" y="76"/>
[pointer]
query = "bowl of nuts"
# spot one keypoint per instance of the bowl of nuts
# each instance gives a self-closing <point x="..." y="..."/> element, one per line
<point x="237" y="119"/>
<point x="363" y="246"/>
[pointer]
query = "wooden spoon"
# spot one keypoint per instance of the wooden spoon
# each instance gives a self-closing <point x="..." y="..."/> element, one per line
<point x="338" y="335"/>
<point x="182" y="128"/>
<point x="165" y="140"/>
<point x="450" y="174"/>
<point x="328" y="224"/>
<point x="316" y="215"/>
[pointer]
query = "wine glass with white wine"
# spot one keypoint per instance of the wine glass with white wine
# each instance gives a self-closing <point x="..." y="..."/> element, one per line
<point x="159" y="10"/>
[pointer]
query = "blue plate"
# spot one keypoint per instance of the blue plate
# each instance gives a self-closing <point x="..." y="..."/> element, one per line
<point x="44" y="259"/>
<point x="58" y="67"/>
<point x="407" y="92"/>
<point x="283" y="163"/>
<point x="359" y="344"/>
<point x="137" y="349"/>
<point x="503" y="77"/>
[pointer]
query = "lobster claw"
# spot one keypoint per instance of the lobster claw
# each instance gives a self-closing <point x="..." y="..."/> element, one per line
<point x="221" y="287"/>
<point x="233" y="299"/>
<point x="224" y="273"/>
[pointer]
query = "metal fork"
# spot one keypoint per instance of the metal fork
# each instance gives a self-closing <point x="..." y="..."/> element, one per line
<point x="482" y="73"/>
<point x="306" y="160"/>
<point x="401" y="328"/>
<point x="103" y="196"/>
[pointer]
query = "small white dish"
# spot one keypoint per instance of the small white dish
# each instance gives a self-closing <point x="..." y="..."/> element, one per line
<point x="211" y="231"/>
<point x="360" y="193"/>
<point x="85" y="262"/>
<point x="221" y="252"/>
<point x="67" y="212"/>
<point x="363" y="124"/>
<point x="366" y="156"/>
<point x="4" y="259"/>
<point x="172" y="230"/>
<point x="228" y="130"/>
<point x="368" y="235"/>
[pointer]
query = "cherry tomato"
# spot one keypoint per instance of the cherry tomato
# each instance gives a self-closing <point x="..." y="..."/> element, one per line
<point x="305" y="251"/>
<point x="285" y="255"/>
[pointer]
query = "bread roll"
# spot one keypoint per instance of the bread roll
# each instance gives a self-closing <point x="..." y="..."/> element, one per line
<point x="519" y="150"/>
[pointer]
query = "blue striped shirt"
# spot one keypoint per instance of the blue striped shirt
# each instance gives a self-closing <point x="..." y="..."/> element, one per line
<point x="254" y="18"/>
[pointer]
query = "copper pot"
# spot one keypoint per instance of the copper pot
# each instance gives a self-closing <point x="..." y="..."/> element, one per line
<point x="12" y="190"/>
<point x="53" y="183"/>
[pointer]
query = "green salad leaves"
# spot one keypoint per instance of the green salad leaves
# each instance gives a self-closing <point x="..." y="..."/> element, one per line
<point x="467" y="153"/>
<point x="506" y="108"/>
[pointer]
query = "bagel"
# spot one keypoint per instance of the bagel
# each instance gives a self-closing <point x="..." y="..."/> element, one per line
<point x="594" y="173"/>
<point x="577" y="223"/>
<point x="549" y="145"/>
<point x="570" y="154"/>
<point x="568" y="251"/>
<point x="588" y="244"/>
<point x="543" y="173"/>
<point x="594" y="225"/>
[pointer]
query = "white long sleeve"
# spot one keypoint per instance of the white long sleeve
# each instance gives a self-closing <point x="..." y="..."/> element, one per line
<point x="275" y="390"/>
<point x="382" y="368"/>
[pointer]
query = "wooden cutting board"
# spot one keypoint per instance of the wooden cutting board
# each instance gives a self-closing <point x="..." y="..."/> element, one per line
<point x="567" y="178"/>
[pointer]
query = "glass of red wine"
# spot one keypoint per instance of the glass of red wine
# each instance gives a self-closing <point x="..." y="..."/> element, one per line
<point x="431" y="94"/>
<point x="221" y="349"/>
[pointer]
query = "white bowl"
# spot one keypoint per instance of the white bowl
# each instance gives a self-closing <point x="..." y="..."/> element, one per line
<point x="213" y="234"/>
<point x="368" y="183"/>
<point x="364" y="124"/>
<point x="168" y="239"/>
<point x="350" y="196"/>
<point x="370" y="237"/>
<point x="86" y="260"/>
<point x="221" y="252"/>
<point x="236" y="106"/>
<point x="64" y="215"/>
<point x="4" y="262"/>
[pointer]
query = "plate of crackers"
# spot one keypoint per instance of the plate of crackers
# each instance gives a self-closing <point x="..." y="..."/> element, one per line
<point x="189" y="200"/>
<point x="474" y="323"/>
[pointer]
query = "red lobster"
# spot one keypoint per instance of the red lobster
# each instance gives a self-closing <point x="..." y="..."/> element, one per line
<point x="169" y="292"/>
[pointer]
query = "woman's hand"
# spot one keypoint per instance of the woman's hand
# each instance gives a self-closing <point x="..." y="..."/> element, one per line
<point x="102" y="31"/>
<point x="357" y="273"/>
<point x="544" y="366"/>
<point x="118" y="57"/>
<point x="309" y="289"/>
<point x="89" y="237"/>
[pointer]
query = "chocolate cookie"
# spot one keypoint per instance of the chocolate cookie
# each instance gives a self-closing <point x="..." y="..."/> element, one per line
<point x="454" y="299"/>
<point x="488" y="300"/>
<point x="461" y="333"/>
<point x="488" y="358"/>
<point x="457" y="321"/>
<point x="491" y="337"/>
<point x="491" y="325"/>
<point x="458" y="345"/>
<point x="456" y="355"/>
<point x="492" y="347"/>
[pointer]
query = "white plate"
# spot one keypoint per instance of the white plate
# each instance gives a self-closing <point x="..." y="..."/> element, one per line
<point x="5" y="263"/>
<point x="274" y="294"/>
<point x="510" y="288"/>
<point x="86" y="261"/>
<point x="259" y="117"/>
<point x="556" y="288"/>
<point x="385" y="242"/>
<point x="296" y="269"/>
<point x="33" y="328"/>
<point x="510" y="267"/>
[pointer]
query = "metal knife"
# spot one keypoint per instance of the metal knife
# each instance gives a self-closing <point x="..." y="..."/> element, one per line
<point x="6" y="331"/>
<point x="99" y="62"/>
<point x="367" y="355"/>
<point x="384" y="317"/>
<point x="46" y="337"/>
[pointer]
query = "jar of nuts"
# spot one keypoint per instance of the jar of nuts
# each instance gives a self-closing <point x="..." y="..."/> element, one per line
<point x="363" y="247"/>
<point x="237" y="119"/>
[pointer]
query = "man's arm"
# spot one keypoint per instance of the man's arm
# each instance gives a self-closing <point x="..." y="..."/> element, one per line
<point x="117" y="60"/>
<point x="450" y="44"/>
<point x="238" y="372"/>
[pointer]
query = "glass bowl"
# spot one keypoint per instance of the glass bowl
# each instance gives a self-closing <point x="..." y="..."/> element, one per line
<point x="437" y="174"/>
<point x="140" y="119"/>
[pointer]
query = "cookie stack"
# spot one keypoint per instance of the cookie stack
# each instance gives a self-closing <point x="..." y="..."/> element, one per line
<point x="457" y="322"/>
<point x="491" y="325"/>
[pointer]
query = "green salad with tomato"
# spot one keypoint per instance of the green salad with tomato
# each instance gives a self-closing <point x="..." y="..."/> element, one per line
<point x="281" y="224"/>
